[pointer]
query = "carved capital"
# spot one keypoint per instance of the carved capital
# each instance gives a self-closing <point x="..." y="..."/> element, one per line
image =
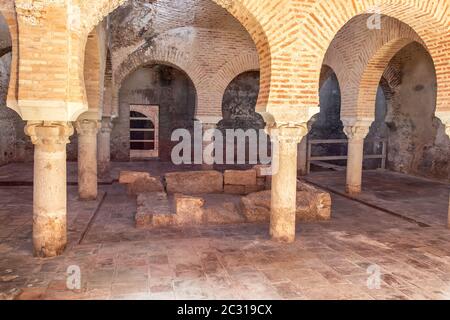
<point x="106" y="125"/>
<point x="444" y="116"/>
<point x="288" y="132"/>
<point x="356" y="129"/>
<point x="87" y="127"/>
<point x="356" y="132"/>
<point x="44" y="133"/>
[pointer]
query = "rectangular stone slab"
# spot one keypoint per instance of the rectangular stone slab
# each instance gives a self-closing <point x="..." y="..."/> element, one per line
<point x="194" y="182"/>
<point x="240" y="177"/>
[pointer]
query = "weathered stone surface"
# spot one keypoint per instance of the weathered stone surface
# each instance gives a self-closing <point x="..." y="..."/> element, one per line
<point x="240" y="177"/>
<point x="153" y="210"/>
<point x="127" y="177"/>
<point x="195" y="182"/>
<point x="268" y="182"/>
<point x="222" y="209"/>
<point x="261" y="181"/>
<point x="260" y="170"/>
<point x="312" y="205"/>
<point x="254" y="188"/>
<point x="256" y="206"/>
<point x="315" y="202"/>
<point x="140" y="182"/>
<point x="144" y="185"/>
<point x="189" y="210"/>
<point x="234" y="189"/>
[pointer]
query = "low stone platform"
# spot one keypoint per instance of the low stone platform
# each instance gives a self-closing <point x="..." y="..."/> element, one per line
<point x="156" y="210"/>
<point x="214" y="198"/>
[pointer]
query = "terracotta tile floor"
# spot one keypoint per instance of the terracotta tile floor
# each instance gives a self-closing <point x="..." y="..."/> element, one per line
<point x="328" y="261"/>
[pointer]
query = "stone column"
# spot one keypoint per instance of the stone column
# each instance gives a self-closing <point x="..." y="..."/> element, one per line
<point x="49" y="188"/>
<point x="104" y="148"/>
<point x="303" y="156"/>
<point x="87" y="159"/>
<point x="284" y="180"/>
<point x="356" y="135"/>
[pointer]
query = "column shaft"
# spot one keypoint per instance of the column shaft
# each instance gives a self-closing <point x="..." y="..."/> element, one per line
<point x="355" y="166"/>
<point x="284" y="182"/>
<point x="87" y="159"/>
<point x="49" y="189"/>
<point x="356" y="135"/>
<point x="104" y="148"/>
<point x="303" y="156"/>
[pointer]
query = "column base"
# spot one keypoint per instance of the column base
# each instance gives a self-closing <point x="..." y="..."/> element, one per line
<point x="282" y="226"/>
<point x="49" y="236"/>
<point x="353" y="190"/>
<point x="87" y="198"/>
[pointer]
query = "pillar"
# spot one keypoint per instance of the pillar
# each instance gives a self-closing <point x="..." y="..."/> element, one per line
<point x="303" y="156"/>
<point x="356" y="135"/>
<point x="49" y="188"/>
<point x="104" y="148"/>
<point x="87" y="159"/>
<point x="284" y="181"/>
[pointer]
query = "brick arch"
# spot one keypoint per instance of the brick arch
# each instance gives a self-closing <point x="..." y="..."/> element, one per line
<point x="8" y="12"/>
<point x="372" y="75"/>
<point x="94" y="73"/>
<point x="166" y="55"/>
<point x="249" y="13"/>
<point x="360" y="63"/>
<point x="211" y="90"/>
<point x="107" y="95"/>
<point x="325" y="73"/>
<point x="428" y="18"/>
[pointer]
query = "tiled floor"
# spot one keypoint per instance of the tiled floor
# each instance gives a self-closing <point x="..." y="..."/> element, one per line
<point x="329" y="260"/>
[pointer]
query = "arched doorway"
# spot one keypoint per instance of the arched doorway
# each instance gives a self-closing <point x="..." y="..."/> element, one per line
<point x="144" y="132"/>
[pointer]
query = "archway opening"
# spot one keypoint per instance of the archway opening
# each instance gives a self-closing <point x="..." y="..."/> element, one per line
<point x="163" y="94"/>
<point x="239" y="103"/>
<point x="14" y="145"/>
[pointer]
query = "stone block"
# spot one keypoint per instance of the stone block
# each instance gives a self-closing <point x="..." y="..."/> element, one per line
<point x="127" y="177"/>
<point x="189" y="210"/>
<point x="153" y="210"/>
<point x="313" y="204"/>
<point x="256" y="206"/>
<point x="225" y="213"/>
<point x="195" y="182"/>
<point x="145" y="185"/>
<point x="234" y="189"/>
<point x="240" y="177"/>
<point x="254" y="188"/>
<point x="261" y="181"/>
<point x="260" y="169"/>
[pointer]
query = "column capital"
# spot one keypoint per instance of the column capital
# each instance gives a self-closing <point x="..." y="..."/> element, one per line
<point x="106" y="125"/>
<point x="209" y="120"/>
<point x="357" y="129"/>
<point x="49" y="132"/>
<point x="444" y="116"/>
<point x="87" y="127"/>
<point x="288" y="132"/>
